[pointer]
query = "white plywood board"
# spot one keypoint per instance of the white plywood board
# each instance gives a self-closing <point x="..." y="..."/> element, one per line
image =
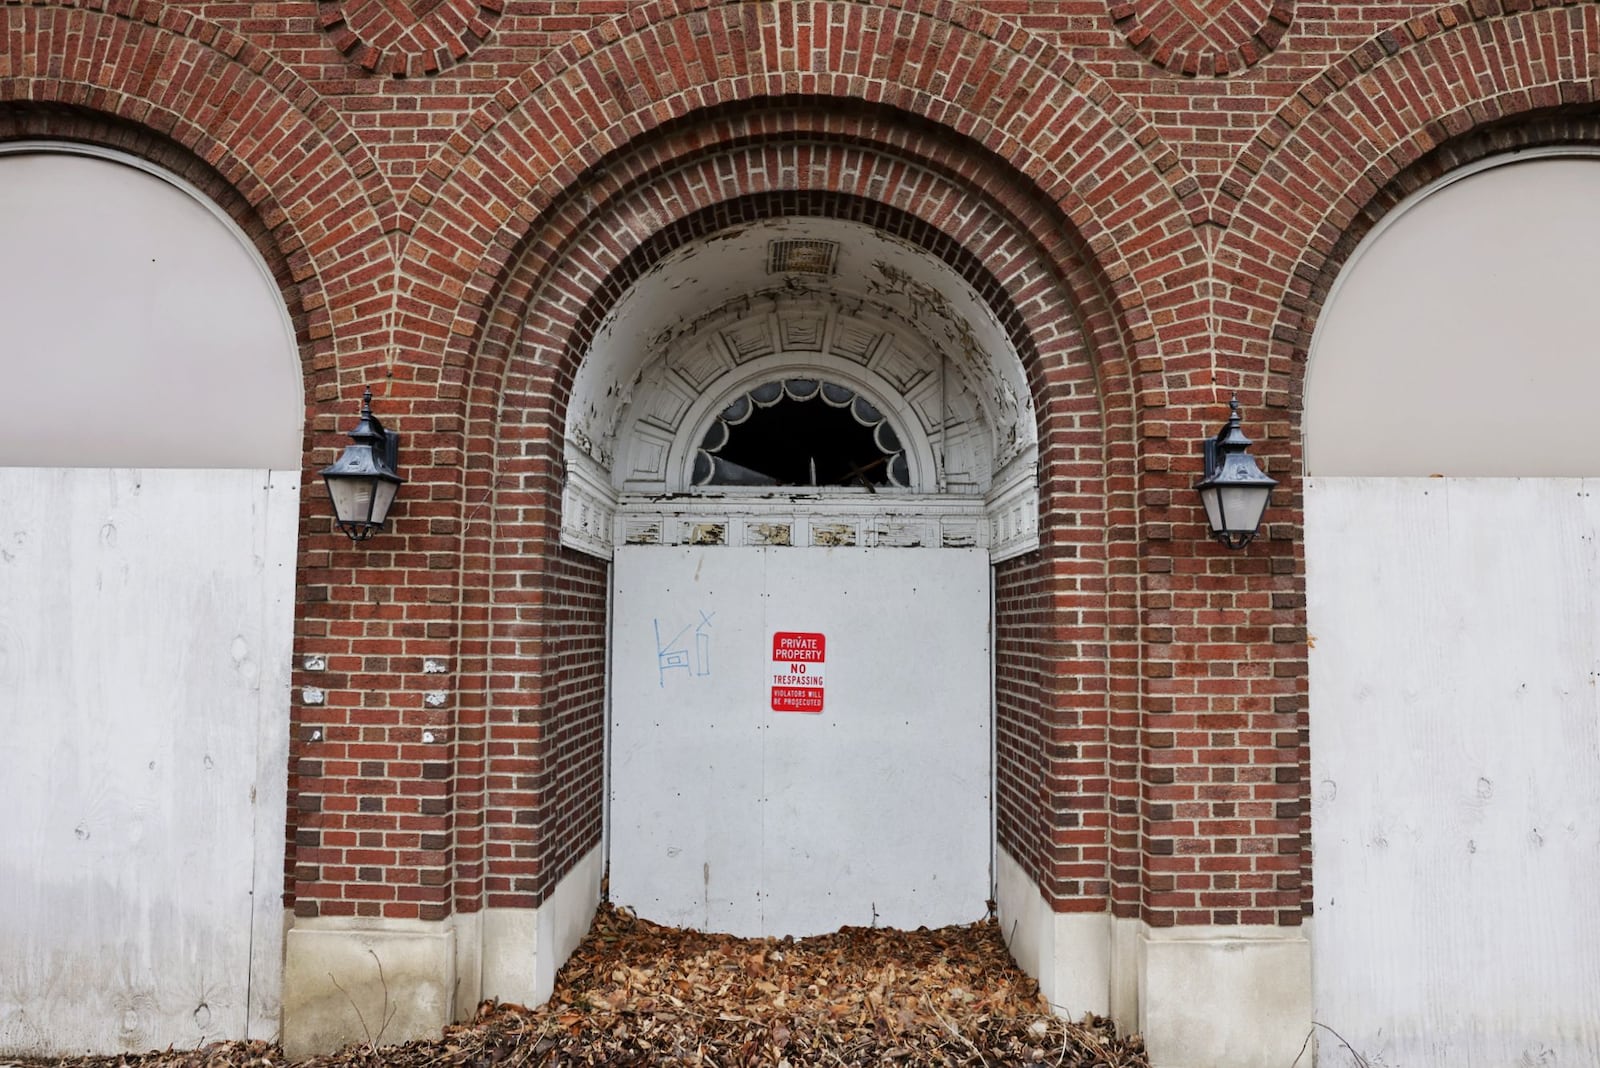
<point x="1455" y="769"/>
<point x="728" y="816"/>
<point x="146" y="622"/>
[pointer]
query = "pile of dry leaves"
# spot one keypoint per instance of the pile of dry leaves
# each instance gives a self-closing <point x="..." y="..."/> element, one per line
<point x="639" y="994"/>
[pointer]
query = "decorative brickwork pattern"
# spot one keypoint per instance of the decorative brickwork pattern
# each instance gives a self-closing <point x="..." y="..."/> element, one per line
<point x="1206" y="39"/>
<point x="427" y="38"/>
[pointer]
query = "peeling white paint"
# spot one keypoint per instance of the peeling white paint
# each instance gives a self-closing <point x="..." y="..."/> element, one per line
<point x="894" y="324"/>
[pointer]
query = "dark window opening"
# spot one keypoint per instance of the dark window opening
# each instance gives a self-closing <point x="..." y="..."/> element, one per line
<point x="801" y="432"/>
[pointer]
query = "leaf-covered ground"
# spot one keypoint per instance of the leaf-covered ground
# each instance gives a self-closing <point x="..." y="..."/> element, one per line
<point x="639" y="994"/>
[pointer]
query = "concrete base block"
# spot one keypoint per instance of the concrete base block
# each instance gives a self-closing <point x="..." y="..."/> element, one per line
<point x="1068" y="952"/>
<point x="524" y="948"/>
<point x="386" y="981"/>
<point x="564" y="918"/>
<point x="1203" y="997"/>
<point x="1224" y="997"/>
<point x="344" y="984"/>
<point x="511" y="955"/>
<point x="469" y="963"/>
<point x="1125" y="936"/>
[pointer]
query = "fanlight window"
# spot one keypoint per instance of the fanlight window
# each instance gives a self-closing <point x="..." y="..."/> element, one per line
<point x="801" y="432"/>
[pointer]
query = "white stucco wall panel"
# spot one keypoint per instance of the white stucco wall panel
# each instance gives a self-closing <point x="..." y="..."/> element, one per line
<point x="1455" y="745"/>
<point x="1460" y="337"/>
<point x="145" y="638"/>
<point x="138" y="326"/>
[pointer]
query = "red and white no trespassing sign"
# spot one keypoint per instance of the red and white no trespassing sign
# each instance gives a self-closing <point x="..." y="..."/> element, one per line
<point x="797" y="662"/>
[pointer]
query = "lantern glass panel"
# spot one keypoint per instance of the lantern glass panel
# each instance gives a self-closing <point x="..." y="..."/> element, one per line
<point x="1209" y="497"/>
<point x="1241" y="507"/>
<point x="352" y="497"/>
<point x="385" y="495"/>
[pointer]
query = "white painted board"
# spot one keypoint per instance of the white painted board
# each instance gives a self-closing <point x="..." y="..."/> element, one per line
<point x="728" y="816"/>
<point x="1455" y="769"/>
<point x="146" y="628"/>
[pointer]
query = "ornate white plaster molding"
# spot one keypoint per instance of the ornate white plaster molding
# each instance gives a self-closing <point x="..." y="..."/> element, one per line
<point x="588" y="507"/>
<point x="837" y="519"/>
<point x="714" y="322"/>
<point x="1012" y="507"/>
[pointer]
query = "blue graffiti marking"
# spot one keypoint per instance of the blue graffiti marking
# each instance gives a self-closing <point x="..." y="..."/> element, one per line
<point x="671" y="655"/>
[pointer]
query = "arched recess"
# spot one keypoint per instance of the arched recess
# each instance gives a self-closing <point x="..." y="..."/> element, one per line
<point x="1450" y="533"/>
<point x="517" y="177"/>
<point x="730" y="312"/>
<point x="807" y="160"/>
<point x="703" y="343"/>
<point x="150" y="443"/>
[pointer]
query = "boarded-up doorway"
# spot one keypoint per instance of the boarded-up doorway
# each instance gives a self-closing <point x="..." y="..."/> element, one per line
<point x="727" y="815"/>
<point x="150" y="435"/>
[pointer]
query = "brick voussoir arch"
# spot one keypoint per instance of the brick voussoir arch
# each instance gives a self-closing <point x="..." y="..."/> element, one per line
<point x="985" y="185"/>
<point x="667" y="59"/>
<point x="983" y="211"/>
<point x="569" y="269"/>
<point x="245" y="114"/>
<point x="1362" y="122"/>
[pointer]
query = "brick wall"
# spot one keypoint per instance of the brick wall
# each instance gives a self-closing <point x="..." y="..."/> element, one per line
<point x="1155" y="208"/>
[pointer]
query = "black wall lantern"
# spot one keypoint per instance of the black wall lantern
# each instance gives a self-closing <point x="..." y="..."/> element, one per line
<point x="362" y="482"/>
<point x="1235" y="491"/>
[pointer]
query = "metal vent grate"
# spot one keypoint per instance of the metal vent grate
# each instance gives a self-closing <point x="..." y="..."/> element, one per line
<point x="805" y="257"/>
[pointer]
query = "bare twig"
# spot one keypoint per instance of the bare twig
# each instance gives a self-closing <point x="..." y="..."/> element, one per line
<point x="953" y="1029"/>
<point x="360" y="1017"/>
<point x="1360" y="1060"/>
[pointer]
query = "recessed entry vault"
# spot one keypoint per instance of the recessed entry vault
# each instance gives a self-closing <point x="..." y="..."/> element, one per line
<point x="803" y="442"/>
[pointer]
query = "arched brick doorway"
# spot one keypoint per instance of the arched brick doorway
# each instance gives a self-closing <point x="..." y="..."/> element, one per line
<point x="150" y="468"/>
<point x="703" y="454"/>
<point x="1450" y="533"/>
<point x="547" y="612"/>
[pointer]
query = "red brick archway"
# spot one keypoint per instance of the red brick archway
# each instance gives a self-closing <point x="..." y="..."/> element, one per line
<point x="957" y="206"/>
